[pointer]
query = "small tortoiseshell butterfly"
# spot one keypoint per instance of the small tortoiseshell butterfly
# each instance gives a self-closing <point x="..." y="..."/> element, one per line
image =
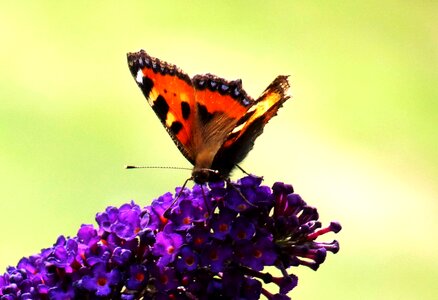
<point x="213" y="122"/>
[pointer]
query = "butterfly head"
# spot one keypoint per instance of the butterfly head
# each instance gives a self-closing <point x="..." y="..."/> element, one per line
<point x="204" y="175"/>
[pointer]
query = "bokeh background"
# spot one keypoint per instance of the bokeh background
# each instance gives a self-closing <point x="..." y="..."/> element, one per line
<point x="358" y="140"/>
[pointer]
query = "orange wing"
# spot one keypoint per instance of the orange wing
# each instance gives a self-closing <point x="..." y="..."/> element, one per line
<point x="219" y="106"/>
<point x="170" y="93"/>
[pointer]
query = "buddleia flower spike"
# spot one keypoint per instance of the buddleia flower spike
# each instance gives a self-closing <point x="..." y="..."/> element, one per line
<point x="136" y="253"/>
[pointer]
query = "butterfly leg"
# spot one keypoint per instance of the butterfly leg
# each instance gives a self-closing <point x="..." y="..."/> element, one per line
<point x="167" y="211"/>
<point x="208" y="206"/>
<point x="243" y="171"/>
<point x="240" y="193"/>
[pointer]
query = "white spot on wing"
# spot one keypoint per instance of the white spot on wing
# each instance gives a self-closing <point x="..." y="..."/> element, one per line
<point x="139" y="77"/>
<point x="238" y="128"/>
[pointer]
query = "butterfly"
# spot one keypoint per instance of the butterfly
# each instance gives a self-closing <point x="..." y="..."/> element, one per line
<point x="213" y="121"/>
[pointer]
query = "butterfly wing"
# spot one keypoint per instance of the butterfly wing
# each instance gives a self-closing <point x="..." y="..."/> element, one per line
<point x="219" y="105"/>
<point x="240" y="140"/>
<point x="170" y="93"/>
<point x="213" y="122"/>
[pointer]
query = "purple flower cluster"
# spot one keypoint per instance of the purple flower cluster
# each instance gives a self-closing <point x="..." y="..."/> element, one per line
<point x="214" y="243"/>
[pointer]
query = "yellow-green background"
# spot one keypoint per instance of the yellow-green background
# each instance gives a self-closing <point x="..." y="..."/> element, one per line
<point x="358" y="140"/>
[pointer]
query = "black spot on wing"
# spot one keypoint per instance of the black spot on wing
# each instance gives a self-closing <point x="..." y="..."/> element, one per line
<point x="146" y="86"/>
<point x="185" y="108"/>
<point x="203" y="114"/>
<point x="176" y="127"/>
<point x="161" y="108"/>
<point x="134" y="63"/>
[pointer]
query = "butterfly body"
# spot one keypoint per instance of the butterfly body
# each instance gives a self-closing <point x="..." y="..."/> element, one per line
<point x="212" y="121"/>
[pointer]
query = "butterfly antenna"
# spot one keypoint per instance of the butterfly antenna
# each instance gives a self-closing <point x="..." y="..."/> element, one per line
<point x="156" y="167"/>
<point x="167" y="211"/>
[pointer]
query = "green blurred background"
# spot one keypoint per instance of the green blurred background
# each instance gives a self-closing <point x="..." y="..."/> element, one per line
<point x="358" y="140"/>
